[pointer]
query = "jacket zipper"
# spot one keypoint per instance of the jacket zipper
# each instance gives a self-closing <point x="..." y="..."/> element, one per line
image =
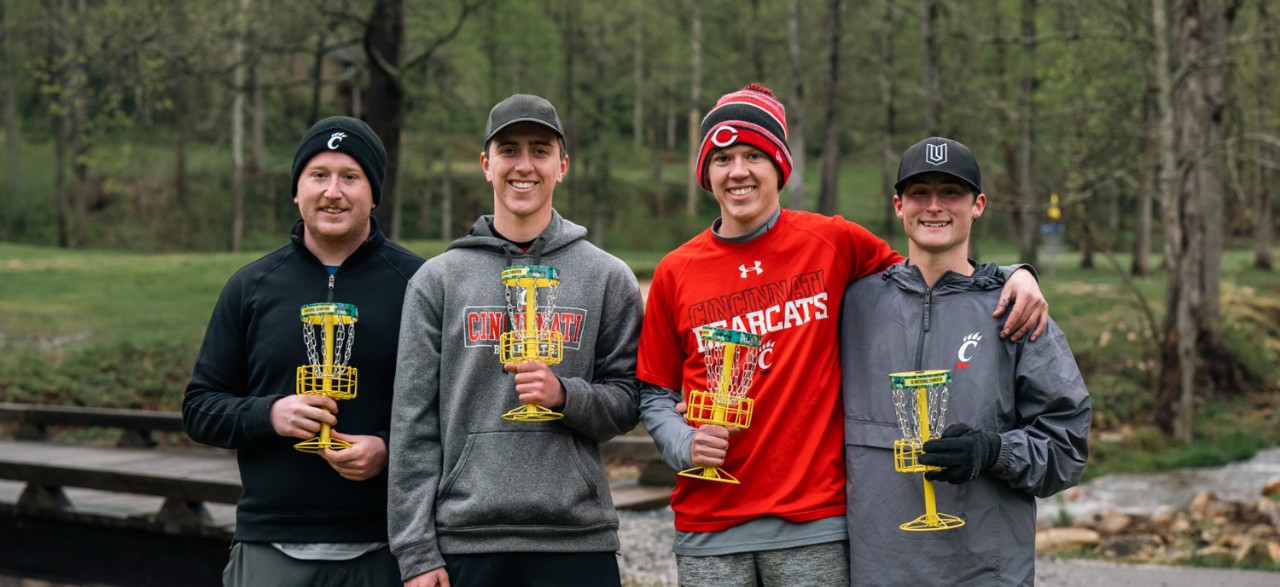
<point x="332" y="278"/>
<point x="924" y="327"/>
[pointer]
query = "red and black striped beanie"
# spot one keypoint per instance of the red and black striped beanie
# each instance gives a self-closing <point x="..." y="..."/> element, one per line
<point x="753" y="116"/>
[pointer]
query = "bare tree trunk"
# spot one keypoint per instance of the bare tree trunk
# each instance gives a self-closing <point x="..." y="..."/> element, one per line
<point x="1146" y="187"/>
<point x="257" y="125"/>
<point x="888" y="155"/>
<point x="831" y="146"/>
<point x="1262" y="231"/>
<point x="446" y="196"/>
<point x="384" y="39"/>
<point x="1262" y="258"/>
<point x="795" y="126"/>
<point x="77" y="90"/>
<point x="317" y="78"/>
<point x="1192" y="129"/>
<point x="12" y="124"/>
<point x="671" y="107"/>
<point x="1208" y="109"/>
<point x="1173" y="407"/>
<point x="695" y="86"/>
<point x="571" y="41"/>
<point x="637" y="80"/>
<point x="1008" y="114"/>
<point x="1027" y="225"/>
<point x="237" y="134"/>
<point x="932" y="85"/>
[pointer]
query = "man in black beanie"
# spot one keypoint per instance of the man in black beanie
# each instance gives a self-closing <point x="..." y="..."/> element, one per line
<point x="305" y="519"/>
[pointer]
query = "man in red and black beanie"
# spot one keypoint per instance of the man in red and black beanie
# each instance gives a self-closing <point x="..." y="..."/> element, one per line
<point x="780" y="274"/>
<point x="750" y="116"/>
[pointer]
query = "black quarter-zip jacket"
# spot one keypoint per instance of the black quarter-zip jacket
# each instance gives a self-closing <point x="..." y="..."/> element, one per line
<point x="249" y="359"/>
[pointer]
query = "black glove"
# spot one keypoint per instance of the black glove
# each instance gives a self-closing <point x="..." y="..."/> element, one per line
<point x="962" y="452"/>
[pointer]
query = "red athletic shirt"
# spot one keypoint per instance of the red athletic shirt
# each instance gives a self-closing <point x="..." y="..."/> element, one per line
<point x="785" y="285"/>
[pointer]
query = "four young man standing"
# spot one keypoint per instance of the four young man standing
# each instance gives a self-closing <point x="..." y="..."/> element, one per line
<point x="478" y="500"/>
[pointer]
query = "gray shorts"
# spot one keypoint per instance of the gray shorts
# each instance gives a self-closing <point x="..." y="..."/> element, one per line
<point x="256" y="564"/>
<point x="817" y="565"/>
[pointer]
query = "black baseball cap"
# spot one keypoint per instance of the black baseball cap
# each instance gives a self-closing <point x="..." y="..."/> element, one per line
<point x="522" y="108"/>
<point x="939" y="155"/>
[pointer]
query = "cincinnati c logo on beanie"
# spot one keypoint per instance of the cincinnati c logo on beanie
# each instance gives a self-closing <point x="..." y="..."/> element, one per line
<point x="751" y="116"/>
<point x="346" y="135"/>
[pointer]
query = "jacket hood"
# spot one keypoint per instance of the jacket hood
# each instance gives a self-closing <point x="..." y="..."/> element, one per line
<point x="559" y="234"/>
<point x="909" y="279"/>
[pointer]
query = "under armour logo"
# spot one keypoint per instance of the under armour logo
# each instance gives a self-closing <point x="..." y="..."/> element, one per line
<point x="336" y="138"/>
<point x="936" y="154"/>
<point x="744" y="269"/>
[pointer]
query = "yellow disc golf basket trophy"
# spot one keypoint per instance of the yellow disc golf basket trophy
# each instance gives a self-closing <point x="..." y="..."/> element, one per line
<point x="534" y="287"/>
<point x="920" y="401"/>
<point x="332" y="328"/>
<point x="730" y="356"/>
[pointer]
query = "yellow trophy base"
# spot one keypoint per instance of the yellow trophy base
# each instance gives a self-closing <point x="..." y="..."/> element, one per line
<point x="924" y="524"/>
<point x="532" y="413"/>
<point x="710" y="474"/>
<point x="315" y="444"/>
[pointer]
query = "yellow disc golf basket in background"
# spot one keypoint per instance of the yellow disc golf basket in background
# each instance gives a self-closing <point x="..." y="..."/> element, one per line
<point x="730" y="357"/>
<point x="532" y="287"/>
<point x="332" y="328"/>
<point x="920" y="402"/>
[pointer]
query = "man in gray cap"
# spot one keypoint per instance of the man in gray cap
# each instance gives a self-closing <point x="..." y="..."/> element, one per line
<point x="304" y="519"/>
<point x="1018" y="409"/>
<point x="476" y="499"/>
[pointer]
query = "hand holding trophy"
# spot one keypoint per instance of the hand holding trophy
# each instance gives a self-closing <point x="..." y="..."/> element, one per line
<point x="333" y="327"/>
<point x="534" y="287"/>
<point x="920" y="402"/>
<point x="730" y="357"/>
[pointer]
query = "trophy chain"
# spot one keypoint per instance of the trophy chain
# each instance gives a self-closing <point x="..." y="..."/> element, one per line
<point x="332" y="326"/>
<point x="535" y="286"/>
<point x="730" y="358"/>
<point x="920" y="402"/>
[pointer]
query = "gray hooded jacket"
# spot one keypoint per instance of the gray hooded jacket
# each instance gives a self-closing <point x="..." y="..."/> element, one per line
<point x="462" y="479"/>
<point x="1031" y="393"/>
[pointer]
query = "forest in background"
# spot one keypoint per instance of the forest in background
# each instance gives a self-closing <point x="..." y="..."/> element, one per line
<point x="158" y="125"/>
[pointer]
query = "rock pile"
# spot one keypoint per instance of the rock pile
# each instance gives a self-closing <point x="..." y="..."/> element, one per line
<point x="1209" y="530"/>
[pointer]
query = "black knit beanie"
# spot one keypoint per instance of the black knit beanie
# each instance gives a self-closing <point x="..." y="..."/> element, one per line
<point x="346" y="135"/>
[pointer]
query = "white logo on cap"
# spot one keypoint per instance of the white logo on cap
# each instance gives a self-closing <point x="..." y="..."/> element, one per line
<point x="717" y="141"/>
<point x="936" y="154"/>
<point x="336" y="138"/>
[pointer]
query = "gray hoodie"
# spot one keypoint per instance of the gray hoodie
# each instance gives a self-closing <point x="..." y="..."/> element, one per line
<point x="462" y="479"/>
<point x="1030" y="393"/>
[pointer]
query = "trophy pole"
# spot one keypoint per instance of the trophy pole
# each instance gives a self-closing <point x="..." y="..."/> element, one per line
<point x="327" y="387"/>
<point x="730" y="359"/>
<point x="328" y="374"/>
<point x="530" y="343"/>
<point x="920" y="402"/>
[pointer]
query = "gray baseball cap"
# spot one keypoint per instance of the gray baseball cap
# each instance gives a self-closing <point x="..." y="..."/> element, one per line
<point x="522" y="108"/>
<point x="939" y="155"/>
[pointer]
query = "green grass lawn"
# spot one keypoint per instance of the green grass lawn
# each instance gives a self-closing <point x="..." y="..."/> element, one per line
<point x="122" y="329"/>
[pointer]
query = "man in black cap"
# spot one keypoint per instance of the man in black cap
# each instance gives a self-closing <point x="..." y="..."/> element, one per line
<point x="1018" y="410"/>
<point x="478" y="500"/>
<point x="305" y="519"/>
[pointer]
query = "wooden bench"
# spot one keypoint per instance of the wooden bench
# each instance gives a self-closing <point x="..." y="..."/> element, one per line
<point x="189" y="479"/>
<point x="34" y="421"/>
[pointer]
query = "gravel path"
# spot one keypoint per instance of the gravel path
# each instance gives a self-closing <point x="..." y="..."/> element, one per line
<point x="647" y="561"/>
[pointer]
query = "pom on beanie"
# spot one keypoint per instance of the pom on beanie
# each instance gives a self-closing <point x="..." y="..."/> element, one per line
<point x="752" y="116"/>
